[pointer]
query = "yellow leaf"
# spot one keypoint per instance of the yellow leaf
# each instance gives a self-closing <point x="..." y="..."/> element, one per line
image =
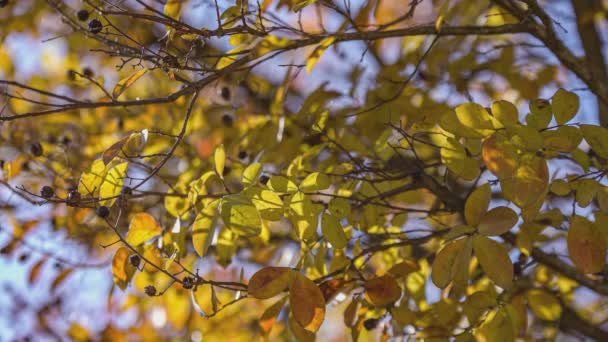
<point x="173" y="8"/>
<point x="565" y="105"/>
<point x="142" y="228"/>
<point x="112" y="184"/>
<point x="477" y="204"/>
<point x="122" y="270"/>
<point x="544" y="305"/>
<point x="220" y="159"/>
<point x="494" y="260"/>
<point x="333" y="231"/>
<point x="90" y="181"/>
<point x="476" y="304"/>
<point x="251" y="173"/>
<point x="586" y="245"/>
<point x="267" y="202"/>
<point x="78" y="333"/>
<point x="529" y="183"/>
<point x="203" y="228"/>
<point x="125" y="83"/>
<point x="312" y="60"/>
<point x="306" y="302"/>
<point x="314" y="182"/>
<point x="340" y="207"/>
<point x="269" y="282"/>
<point x="563" y="139"/>
<point x="382" y="291"/>
<point x="476" y="117"/>
<point x="497" y="221"/>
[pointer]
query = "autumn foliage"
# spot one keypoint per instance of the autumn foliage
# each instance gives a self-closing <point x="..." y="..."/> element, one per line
<point x="300" y="170"/>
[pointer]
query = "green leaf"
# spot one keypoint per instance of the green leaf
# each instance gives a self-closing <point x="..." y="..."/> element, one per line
<point x="540" y="115"/>
<point x="443" y="265"/>
<point x="142" y="228"/>
<point x="112" y="184"/>
<point x="597" y="138"/>
<point x="565" y="104"/>
<point x="240" y="215"/>
<point x="314" y="182"/>
<point x="282" y="184"/>
<point x="494" y="260"/>
<point x="333" y="231"/>
<point x="340" y="207"/>
<point x="125" y="83"/>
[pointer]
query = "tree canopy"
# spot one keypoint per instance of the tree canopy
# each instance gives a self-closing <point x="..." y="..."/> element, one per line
<point x="295" y="170"/>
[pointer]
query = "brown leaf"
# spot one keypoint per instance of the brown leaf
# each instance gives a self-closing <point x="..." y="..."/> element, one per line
<point x="307" y="302"/>
<point x="269" y="282"/>
<point x="382" y="291"/>
<point x="586" y="245"/>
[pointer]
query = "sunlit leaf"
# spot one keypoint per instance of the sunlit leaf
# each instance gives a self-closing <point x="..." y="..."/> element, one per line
<point x="125" y="83"/>
<point x="219" y="158"/>
<point x="122" y="270"/>
<point x="112" y="184"/>
<point x="544" y="305"/>
<point x="314" y="182"/>
<point x="142" y="228"/>
<point x="240" y="215"/>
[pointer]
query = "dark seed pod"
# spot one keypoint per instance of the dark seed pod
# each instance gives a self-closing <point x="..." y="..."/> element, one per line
<point x="73" y="197"/>
<point x="225" y="93"/>
<point x="23" y="257"/>
<point x="227" y="171"/>
<point x="3" y="3"/>
<point x="88" y="72"/>
<point x="135" y="260"/>
<point x="127" y="190"/>
<point x="242" y="155"/>
<point x="47" y="192"/>
<point x="103" y="212"/>
<point x="264" y="179"/>
<point x="82" y="15"/>
<point x="227" y="120"/>
<point x="36" y="149"/>
<point x="370" y="324"/>
<point x="71" y="75"/>
<point x="95" y="26"/>
<point x="150" y="290"/>
<point x="188" y="282"/>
